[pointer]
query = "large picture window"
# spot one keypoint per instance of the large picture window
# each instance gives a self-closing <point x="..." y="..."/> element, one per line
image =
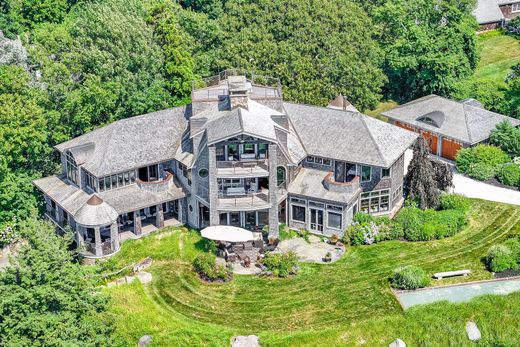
<point x="376" y="201"/>
<point x="72" y="168"/>
<point x="298" y="213"/>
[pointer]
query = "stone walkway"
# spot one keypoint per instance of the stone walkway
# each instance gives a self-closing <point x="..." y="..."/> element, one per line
<point x="312" y="252"/>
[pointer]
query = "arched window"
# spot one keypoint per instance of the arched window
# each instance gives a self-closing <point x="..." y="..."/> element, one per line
<point x="280" y="176"/>
<point x="429" y="121"/>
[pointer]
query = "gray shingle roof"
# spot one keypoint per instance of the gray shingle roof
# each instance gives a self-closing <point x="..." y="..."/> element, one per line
<point x="488" y="11"/>
<point x="124" y="199"/>
<point x="348" y="136"/>
<point x="129" y="143"/>
<point x="255" y="120"/>
<point x="309" y="182"/>
<point x="463" y="121"/>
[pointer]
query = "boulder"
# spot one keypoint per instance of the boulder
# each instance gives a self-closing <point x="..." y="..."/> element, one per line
<point x="144" y="341"/>
<point x="146" y="263"/>
<point x="397" y="343"/>
<point x="245" y="341"/>
<point x="144" y="277"/>
<point x="473" y="331"/>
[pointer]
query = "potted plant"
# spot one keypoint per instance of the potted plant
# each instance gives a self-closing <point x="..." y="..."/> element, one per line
<point x="327" y="258"/>
<point x="333" y="239"/>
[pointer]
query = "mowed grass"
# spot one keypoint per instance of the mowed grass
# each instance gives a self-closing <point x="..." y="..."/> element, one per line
<point x="498" y="53"/>
<point x="345" y="303"/>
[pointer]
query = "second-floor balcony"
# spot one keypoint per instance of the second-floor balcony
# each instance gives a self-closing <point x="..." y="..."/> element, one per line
<point x="350" y="186"/>
<point x="237" y="199"/>
<point x="246" y="168"/>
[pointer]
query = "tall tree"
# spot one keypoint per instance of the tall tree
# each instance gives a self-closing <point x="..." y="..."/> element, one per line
<point x="47" y="298"/>
<point x="429" y="45"/>
<point x="420" y="182"/>
<point x="25" y="144"/>
<point x="178" y="62"/>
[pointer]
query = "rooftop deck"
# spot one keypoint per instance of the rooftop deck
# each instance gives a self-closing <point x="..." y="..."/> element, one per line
<point x="260" y="87"/>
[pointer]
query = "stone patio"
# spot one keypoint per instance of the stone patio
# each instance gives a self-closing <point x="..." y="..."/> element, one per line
<point x="312" y="252"/>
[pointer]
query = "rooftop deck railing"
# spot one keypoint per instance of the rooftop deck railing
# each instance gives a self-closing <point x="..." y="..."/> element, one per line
<point x="273" y="86"/>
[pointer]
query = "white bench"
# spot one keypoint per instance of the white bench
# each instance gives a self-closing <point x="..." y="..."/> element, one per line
<point x="441" y="275"/>
<point x="235" y="191"/>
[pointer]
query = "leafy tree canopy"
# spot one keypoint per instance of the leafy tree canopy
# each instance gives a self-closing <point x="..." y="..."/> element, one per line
<point x="317" y="48"/>
<point x="101" y="64"/>
<point x="429" y="45"/>
<point x="47" y="298"/>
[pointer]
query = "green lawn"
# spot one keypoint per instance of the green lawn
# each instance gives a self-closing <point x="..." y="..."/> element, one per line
<point x="345" y="303"/>
<point x="498" y="53"/>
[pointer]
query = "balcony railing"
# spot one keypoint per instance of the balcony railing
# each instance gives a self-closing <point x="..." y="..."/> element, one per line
<point x="236" y="199"/>
<point x="157" y="186"/>
<point x="210" y="88"/>
<point x="349" y="187"/>
<point x="238" y="168"/>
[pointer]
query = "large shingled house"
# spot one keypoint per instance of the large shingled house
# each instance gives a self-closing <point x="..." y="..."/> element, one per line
<point x="447" y="125"/>
<point x="237" y="155"/>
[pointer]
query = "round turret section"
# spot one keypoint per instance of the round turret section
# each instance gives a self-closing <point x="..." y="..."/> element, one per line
<point x="95" y="212"/>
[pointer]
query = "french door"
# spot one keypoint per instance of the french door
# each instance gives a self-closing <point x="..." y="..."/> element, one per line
<point x="316" y="219"/>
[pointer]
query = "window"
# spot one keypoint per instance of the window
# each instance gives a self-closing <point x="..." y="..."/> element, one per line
<point x="397" y="192"/>
<point x="249" y="148"/>
<point x="316" y="204"/>
<point x="375" y="201"/>
<point x="90" y="180"/>
<point x="298" y="213"/>
<point x="262" y="150"/>
<point x="203" y="173"/>
<point x="515" y="7"/>
<point x="71" y="168"/>
<point x="428" y="121"/>
<point x="219" y="151"/>
<point x="280" y="176"/>
<point x="333" y="220"/>
<point x="318" y="160"/>
<point x="298" y="201"/>
<point x="366" y="173"/>
<point x="114" y="181"/>
<point x="385" y="172"/>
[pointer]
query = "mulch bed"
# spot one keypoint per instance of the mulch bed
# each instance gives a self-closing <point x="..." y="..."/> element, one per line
<point x="507" y="273"/>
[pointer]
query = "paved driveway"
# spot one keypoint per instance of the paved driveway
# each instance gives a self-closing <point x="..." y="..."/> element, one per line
<point x="476" y="189"/>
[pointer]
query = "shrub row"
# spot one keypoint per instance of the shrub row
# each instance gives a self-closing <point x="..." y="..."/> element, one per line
<point x="505" y="256"/>
<point x="483" y="162"/>
<point x="412" y="223"/>
<point x="205" y="264"/>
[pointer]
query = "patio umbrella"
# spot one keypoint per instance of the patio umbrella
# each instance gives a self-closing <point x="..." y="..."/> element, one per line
<point x="227" y="233"/>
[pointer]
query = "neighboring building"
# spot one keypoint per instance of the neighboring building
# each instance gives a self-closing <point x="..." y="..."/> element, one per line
<point x="238" y="155"/>
<point x="447" y="125"/>
<point x="492" y="14"/>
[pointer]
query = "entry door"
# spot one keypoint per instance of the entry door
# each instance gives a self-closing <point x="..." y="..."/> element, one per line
<point x="316" y="219"/>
